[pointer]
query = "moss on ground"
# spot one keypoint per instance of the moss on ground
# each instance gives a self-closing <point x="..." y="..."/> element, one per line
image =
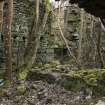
<point x="22" y="72"/>
<point x="83" y="79"/>
<point x="93" y="80"/>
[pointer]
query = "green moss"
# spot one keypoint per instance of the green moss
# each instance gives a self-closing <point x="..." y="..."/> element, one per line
<point x="93" y="79"/>
<point x="22" y="72"/>
<point x="2" y="93"/>
<point x="22" y="75"/>
<point x="90" y="79"/>
<point x="47" y="66"/>
<point x="7" y="84"/>
<point x="74" y="85"/>
<point x="47" y="6"/>
<point x="55" y="62"/>
<point x="21" y="89"/>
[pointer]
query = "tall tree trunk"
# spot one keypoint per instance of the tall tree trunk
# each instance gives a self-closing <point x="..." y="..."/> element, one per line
<point x="29" y="51"/>
<point x="34" y="38"/>
<point x="7" y="42"/>
<point x="1" y="15"/>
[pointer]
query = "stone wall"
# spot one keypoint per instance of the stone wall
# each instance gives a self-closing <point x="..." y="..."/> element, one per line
<point x="22" y="20"/>
<point x="23" y="16"/>
<point x="70" y="24"/>
<point x="46" y="52"/>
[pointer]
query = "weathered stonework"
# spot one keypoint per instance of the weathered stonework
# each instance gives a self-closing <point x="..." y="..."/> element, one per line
<point x="23" y="16"/>
<point x="22" y="21"/>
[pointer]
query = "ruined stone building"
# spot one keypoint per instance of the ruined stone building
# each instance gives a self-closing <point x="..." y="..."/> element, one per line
<point x="51" y="43"/>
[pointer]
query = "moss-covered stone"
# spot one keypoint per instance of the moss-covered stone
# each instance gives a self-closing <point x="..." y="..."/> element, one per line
<point x="22" y="72"/>
<point x="44" y="76"/>
<point x="83" y="79"/>
<point x="55" y="62"/>
<point x="47" y="66"/>
<point x="22" y="75"/>
<point x="21" y="89"/>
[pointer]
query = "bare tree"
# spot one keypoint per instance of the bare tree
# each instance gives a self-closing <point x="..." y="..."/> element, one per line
<point x="1" y="15"/>
<point x="29" y="52"/>
<point x="7" y="42"/>
<point x="34" y="37"/>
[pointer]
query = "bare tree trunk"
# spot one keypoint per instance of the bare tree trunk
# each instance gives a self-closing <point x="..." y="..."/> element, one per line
<point x="29" y="51"/>
<point x="7" y="42"/>
<point x="1" y="15"/>
<point x="34" y="38"/>
<point x="37" y="41"/>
